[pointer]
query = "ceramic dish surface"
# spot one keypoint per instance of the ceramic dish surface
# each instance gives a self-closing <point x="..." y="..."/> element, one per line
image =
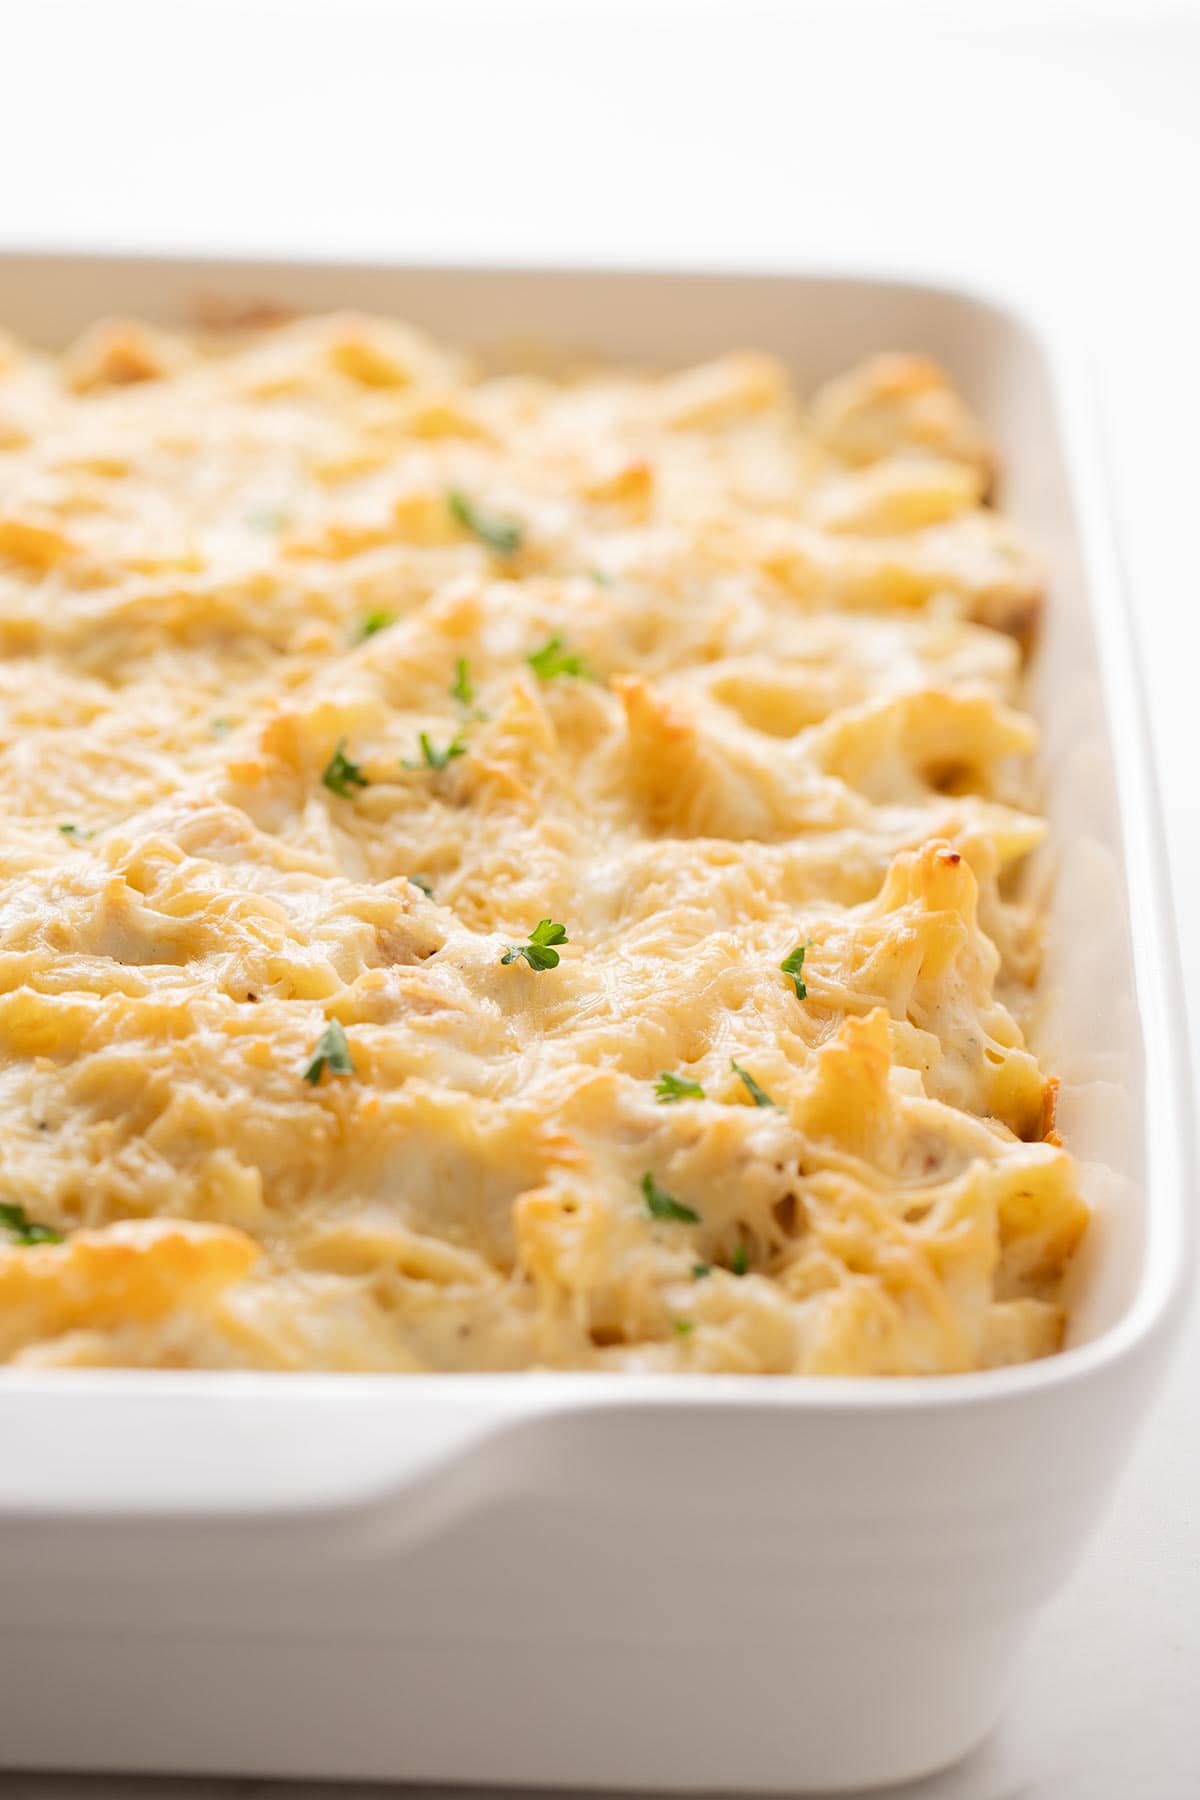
<point x="643" y="1570"/>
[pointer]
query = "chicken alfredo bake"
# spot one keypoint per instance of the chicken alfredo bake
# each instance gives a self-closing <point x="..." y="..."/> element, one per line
<point x="504" y="872"/>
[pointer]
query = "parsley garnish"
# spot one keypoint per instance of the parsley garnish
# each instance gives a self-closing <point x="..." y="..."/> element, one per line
<point x="538" y="952"/>
<point x="683" y="1327"/>
<point x="500" y="535"/>
<point x="435" y="758"/>
<point x="462" y="688"/>
<point x="739" y="1262"/>
<point x="551" y="660"/>
<point x="222" y="727"/>
<point x="332" y="1053"/>
<point x="793" y="966"/>
<point x="75" y="834"/>
<point x="419" y="881"/>
<point x="600" y="578"/>
<point x="379" y="620"/>
<point x="24" y="1230"/>
<point x="661" y="1205"/>
<point x="700" y="1270"/>
<point x="759" y="1095"/>
<point x="341" y="776"/>
<point x="670" y="1087"/>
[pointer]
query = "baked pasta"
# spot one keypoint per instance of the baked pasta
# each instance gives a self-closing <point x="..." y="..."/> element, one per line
<point x="505" y="871"/>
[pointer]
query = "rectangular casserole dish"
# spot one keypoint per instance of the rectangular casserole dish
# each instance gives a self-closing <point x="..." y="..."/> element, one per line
<point x="690" y="1582"/>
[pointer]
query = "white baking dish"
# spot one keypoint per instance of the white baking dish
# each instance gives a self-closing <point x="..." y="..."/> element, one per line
<point x="691" y="1581"/>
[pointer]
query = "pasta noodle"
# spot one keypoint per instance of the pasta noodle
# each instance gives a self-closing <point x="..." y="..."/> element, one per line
<point x="508" y="872"/>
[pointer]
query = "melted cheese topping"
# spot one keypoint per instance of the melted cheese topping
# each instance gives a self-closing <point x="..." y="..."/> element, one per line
<point x="252" y="593"/>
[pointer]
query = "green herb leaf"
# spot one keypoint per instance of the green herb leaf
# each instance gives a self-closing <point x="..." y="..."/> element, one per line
<point x="435" y="758"/>
<point x="379" y="620"/>
<point x="793" y="967"/>
<point x="24" y="1230"/>
<point x="75" y="834"/>
<point x="759" y="1095"/>
<point x="341" y="776"/>
<point x="700" y="1270"/>
<point x="600" y="578"/>
<point x="500" y="535"/>
<point x="661" y="1205"/>
<point x="670" y="1087"/>
<point x="547" y="932"/>
<point x="539" y="952"/>
<point x="739" y="1262"/>
<point x="462" y="688"/>
<point x="222" y="727"/>
<point x="683" y="1327"/>
<point x="551" y="661"/>
<point x="419" y="881"/>
<point x="332" y="1053"/>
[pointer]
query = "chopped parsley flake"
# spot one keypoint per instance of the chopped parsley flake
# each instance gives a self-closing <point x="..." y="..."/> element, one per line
<point x="332" y="1053"/>
<point x="419" y="881"/>
<point x="739" y="1262"/>
<point x="379" y="620"/>
<point x="661" y="1205"/>
<point x="462" y="688"/>
<point x="24" y="1230"/>
<point x="222" y="727"/>
<point x="700" y="1270"/>
<point x="341" y="776"/>
<point x="759" y="1095"/>
<point x="600" y="578"/>
<point x="670" y="1087"/>
<point x="500" y="535"/>
<point x="75" y="834"/>
<point x="551" y="661"/>
<point x="435" y="758"/>
<point x="539" y="952"/>
<point x="683" y="1327"/>
<point x="793" y="967"/>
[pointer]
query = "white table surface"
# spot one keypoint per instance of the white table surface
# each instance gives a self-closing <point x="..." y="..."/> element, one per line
<point x="1053" y="148"/>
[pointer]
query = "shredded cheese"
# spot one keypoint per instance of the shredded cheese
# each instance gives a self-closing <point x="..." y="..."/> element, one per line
<point x="419" y="789"/>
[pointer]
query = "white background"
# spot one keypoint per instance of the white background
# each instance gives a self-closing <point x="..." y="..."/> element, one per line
<point x="1053" y="149"/>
